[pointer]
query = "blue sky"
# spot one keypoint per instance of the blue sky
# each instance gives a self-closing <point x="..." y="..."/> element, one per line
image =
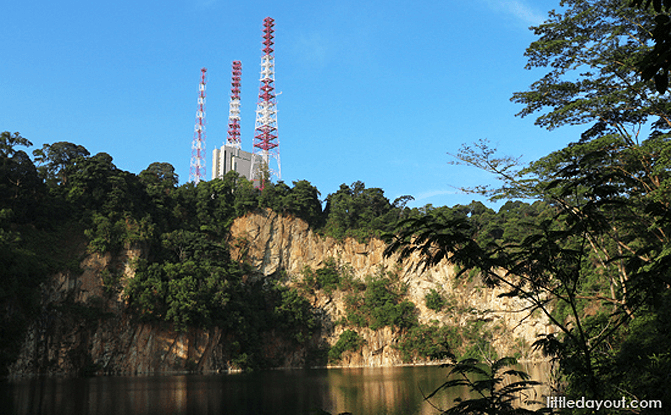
<point x="377" y="91"/>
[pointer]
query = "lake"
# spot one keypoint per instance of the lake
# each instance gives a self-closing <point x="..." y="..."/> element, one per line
<point x="362" y="391"/>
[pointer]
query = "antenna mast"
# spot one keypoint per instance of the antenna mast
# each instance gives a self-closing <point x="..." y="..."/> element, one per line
<point x="234" y="106"/>
<point x="266" y="143"/>
<point x="197" y="173"/>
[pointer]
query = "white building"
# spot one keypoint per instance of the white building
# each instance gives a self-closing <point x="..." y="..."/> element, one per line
<point x="230" y="157"/>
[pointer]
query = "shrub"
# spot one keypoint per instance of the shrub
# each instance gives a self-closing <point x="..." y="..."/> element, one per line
<point x="434" y="300"/>
<point x="349" y="340"/>
<point x="428" y="341"/>
<point x="328" y="277"/>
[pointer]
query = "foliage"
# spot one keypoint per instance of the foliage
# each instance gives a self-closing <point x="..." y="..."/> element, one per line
<point x="53" y="160"/>
<point x="611" y="188"/>
<point x="348" y="340"/>
<point x="359" y="212"/>
<point x="380" y="302"/>
<point x="331" y="276"/>
<point x="21" y="190"/>
<point x="591" y="50"/>
<point x="328" y="277"/>
<point x="380" y="305"/>
<point x="434" y="301"/>
<point x="428" y="341"/>
<point x="644" y="343"/>
<point x="27" y="256"/>
<point x="495" y="388"/>
<point x="294" y="315"/>
<point x="9" y="141"/>
<point x="595" y="258"/>
<point x="655" y="63"/>
<point x="184" y="277"/>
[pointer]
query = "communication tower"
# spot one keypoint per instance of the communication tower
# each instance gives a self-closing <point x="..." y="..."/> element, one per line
<point x="197" y="172"/>
<point x="234" y="106"/>
<point x="266" y="142"/>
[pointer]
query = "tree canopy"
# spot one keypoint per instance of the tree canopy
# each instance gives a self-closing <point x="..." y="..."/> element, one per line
<point x="596" y="257"/>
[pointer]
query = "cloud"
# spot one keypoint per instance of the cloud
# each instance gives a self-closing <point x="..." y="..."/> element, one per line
<point x="519" y="10"/>
<point x="433" y="193"/>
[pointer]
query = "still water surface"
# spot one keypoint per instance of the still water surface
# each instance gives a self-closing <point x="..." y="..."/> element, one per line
<point x="366" y="391"/>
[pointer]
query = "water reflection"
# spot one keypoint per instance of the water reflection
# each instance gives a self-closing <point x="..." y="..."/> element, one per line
<point x="370" y="391"/>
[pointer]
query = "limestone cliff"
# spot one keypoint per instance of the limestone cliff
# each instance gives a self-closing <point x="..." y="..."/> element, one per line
<point x="273" y="244"/>
<point x="81" y="328"/>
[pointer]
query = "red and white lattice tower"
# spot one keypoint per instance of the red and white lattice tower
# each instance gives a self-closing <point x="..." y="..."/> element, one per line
<point x="266" y="143"/>
<point x="197" y="173"/>
<point x="234" y="106"/>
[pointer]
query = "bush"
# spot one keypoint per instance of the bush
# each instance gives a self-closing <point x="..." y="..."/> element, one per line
<point x="294" y="315"/>
<point x="328" y="277"/>
<point x="434" y="300"/>
<point x="308" y="282"/>
<point x="428" y="341"/>
<point x="349" y="340"/>
<point x="380" y="306"/>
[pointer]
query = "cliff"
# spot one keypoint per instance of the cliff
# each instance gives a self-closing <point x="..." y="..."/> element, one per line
<point x="82" y="328"/>
<point x="275" y="245"/>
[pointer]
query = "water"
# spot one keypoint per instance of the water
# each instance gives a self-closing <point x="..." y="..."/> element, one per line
<point x="367" y="391"/>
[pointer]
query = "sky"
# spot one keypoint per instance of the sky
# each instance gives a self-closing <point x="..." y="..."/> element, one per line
<point x="375" y="91"/>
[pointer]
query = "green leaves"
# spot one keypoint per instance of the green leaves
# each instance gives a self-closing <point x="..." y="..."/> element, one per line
<point x="429" y="341"/>
<point x="492" y="389"/>
<point x="595" y="257"/>
<point x="655" y="63"/>
<point x="9" y="141"/>
<point x="360" y="212"/>
<point x="54" y="160"/>
<point x="294" y="314"/>
<point x="591" y="50"/>
<point x="434" y="300"/>
<point x="348" y="340"/>
<point x="381" y="305"/>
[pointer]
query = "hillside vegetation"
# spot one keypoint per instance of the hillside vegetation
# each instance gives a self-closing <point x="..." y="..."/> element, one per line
<point x="64" y="203"/>
<point x="592" y="251"/>
<point x="598" y="263"/>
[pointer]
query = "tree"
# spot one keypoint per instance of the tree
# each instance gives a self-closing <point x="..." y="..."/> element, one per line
<point x="614" y="176"/>
<point x="275" y="197"/>
<point x="358" y="211"/>
<point x="434" y="300"/>
<point x="246" y="197"/>
<point x="160" y="173"/>
<point x="53" y="160"/>
<point x="89" y="180"/>
<point x="303" y="201"/>
<point x="9" y="141"/>
<point x="20" y="186"/>
<point x="592" y="50"/>
<point x="596" y="258"/>
<point x="655" y="64"/>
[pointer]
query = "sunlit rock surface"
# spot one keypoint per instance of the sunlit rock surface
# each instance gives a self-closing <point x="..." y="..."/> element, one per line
<point x="82" y="330"/>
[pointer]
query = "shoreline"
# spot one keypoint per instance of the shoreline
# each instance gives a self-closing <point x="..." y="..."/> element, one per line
<point x="25" y="376"/>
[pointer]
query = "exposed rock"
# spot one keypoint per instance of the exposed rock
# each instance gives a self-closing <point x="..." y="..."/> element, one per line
<point x="272" y="244"/>
<point x="82" y="329"/>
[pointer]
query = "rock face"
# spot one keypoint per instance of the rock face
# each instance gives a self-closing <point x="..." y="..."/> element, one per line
<point x="79" y="332"/>
<point x="80" y="329"/>
<point x="273" y="244"/>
